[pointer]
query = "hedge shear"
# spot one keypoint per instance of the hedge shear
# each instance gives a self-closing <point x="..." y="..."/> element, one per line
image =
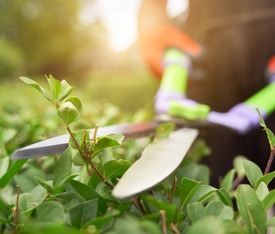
<point x="157" y="162"/>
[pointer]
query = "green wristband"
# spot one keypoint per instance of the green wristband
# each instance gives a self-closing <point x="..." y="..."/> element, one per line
<point x="175" y="74"/>
<point x="264" y="99"/>
<point x="199" y="111"/>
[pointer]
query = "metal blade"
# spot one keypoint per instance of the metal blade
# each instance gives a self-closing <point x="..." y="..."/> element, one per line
<point x="159" y="160"/>
<point x="58" y="145"/>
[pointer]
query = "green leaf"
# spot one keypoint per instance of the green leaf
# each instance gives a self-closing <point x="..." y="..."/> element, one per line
<point x="69" y="199"/>
<point x="269" y="133"/>
<point x="195" y="211"/>
<point x="4" y="165"/>
<point x="107" y="141"/>
<point x="269" y="200"/>
<point x="187" y="189"/>
<point x="12" y="171"/>
<point x="115" y="168"/>
<point x="27" y="204"/>
<point x="251" y="209"/>
<point x="83" y="213"/>
<point x="195" y="171"/>
<point x="253" y="172"/>
<point x="219" y="210"/>
<point x="227" y="181"/>
<point x="225" y="197"/>
<point x="50" y="212"/>
<point x="262" y="191"/>
<point x="37" y="87"/>
<point x="55" y="87"/>
<point x="65" y="91"/>
<point x="164" y="130"/>
<point x="266" y="178"/>
<point x="62" y="169"/>
<point x="68" y="112"/>
<point x="271" y="222"/>
<point x="238" y="165"/>
<point x="102" y="220"/>
<point x="77" y="103"/>
<point x="45" y="184"/>
<point x="88" y="193"/>
<point x="170" y="209"/>
<point x="203" y="193"/>
<point x="207" y="225"/>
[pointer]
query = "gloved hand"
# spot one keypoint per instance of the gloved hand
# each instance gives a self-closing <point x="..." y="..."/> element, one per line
<point x="176" y="104"/>
<point x="241" y="118"/>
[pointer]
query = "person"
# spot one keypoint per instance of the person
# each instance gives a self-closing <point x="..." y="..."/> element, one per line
<point x="213" y="66"/>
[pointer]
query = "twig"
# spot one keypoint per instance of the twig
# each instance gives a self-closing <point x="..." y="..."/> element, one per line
<point x="163" y="221"/>
<point x="270" y="161"/>
<point x="101" y="176"/>
<point x="16" y="212"/>
<point x="237" y="181"/>
<point x="73" y="138"/>
<point x="47" y="197"/>
<point x="173" y="189"/>
<point x="138" y="205"/>
<point x="174" y="228"/>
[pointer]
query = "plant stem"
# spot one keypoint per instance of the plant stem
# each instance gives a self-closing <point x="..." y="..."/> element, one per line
<point x="174" y="228"/>
<point x="270" y="161"/>
<point x="173" y="189"/>
<point x="73" y="138"/>
<point x="163" y="221"/>
<point x="138" y="205"/>
<point x="16" y="212"/>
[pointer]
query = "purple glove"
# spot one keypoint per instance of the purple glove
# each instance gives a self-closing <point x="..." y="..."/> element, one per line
<point x="164" y="98"/>
<point x="241" y="118"/>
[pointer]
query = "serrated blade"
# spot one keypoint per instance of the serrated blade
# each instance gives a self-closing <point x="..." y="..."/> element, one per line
<point x="158" y="161"/>
<point x="57" y="145"/>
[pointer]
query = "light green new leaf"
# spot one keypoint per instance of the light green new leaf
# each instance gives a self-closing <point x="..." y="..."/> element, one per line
<point x="65" y="91"/>
<point x="251" y="209"/>
<point x="238" y="166"/>
<point x="187" y="189"/>
<point x="37" y="87"/>
<point x="107" y="141"/>
<point x="62" y="169"/>
<point x="262" y="191"/>
<point x="60" y="90"/>
<point x="253" y="172"/>
<point x="70" y="110"/>
<point x="55" y="87"/>
<point x="83" y="213"/>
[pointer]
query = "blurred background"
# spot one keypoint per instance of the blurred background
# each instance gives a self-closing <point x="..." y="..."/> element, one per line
<point x="90" y="43"/>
